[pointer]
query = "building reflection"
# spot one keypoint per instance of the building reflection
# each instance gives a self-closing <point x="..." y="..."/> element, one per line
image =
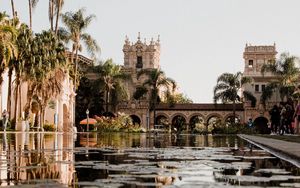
<point x="28" y="158"/>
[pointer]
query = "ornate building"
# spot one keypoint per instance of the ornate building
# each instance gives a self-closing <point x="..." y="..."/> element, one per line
<point x="137" y="56"/>
<point x="254" y="58"/>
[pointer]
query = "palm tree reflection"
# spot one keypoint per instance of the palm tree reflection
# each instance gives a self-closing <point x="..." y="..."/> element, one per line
<point x="38" y="157"/>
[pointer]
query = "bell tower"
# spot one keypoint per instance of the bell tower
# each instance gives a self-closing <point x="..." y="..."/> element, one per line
<point x="140" y="55"/>
<point x="254" y="58"/>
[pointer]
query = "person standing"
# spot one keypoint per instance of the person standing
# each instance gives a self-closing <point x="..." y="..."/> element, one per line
<point x="282" y="118"/>
<point x="4" y="119"/>
<point x="289" y="118"/>
<point x="297" y="117"/>
<point x="275" y="119"/>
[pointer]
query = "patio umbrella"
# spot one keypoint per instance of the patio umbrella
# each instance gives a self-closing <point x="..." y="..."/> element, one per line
<point x="92" y="121"/>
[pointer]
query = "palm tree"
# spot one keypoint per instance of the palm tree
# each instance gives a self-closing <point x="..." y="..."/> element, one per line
<point x="45" y="71"/>
<point x="58" y="7"/>
<point x="51" y="14"/>
<point x="287" y="77"/>
<point x="76" y="23"/>
<point x="8" y="35"/>
<point x="13" y="8"/>
<point x="54" y="11"/>
<point x="23" y="43"/>
<point x="31" y="5"/>
<point x="155" y="80"/>
<point x="227" y="88"/>
<point x="112" y="77"/>
<point x="8" y="49"/>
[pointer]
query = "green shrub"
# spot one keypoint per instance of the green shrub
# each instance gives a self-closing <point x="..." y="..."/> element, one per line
<point x="235" y="128"/>
<point x="49" y="127"/>
<point x="113" y="124"/>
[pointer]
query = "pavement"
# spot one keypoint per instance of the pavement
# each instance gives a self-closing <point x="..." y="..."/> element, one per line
<point x="286" y="150"/>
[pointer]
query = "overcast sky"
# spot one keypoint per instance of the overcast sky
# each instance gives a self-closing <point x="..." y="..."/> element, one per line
<point x="200" y="39"/>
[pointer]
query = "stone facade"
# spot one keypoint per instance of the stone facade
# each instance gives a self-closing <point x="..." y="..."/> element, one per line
<point x="254" y="58"/>
<point x="137" y="56"/>
<point x="62" y="115"/>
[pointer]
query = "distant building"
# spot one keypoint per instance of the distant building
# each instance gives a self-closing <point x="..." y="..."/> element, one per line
<point x="137" y="56"/>
<point x="254" y="58"/>
<point x="60" y="111"/>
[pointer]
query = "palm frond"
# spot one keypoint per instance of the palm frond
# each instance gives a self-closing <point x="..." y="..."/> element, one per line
<point x="249" y="96"/>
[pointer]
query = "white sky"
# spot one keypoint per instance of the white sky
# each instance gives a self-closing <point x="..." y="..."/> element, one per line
<point x="200" y="39"/>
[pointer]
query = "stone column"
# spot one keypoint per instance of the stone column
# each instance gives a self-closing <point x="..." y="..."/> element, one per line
<point x="60" y="115"/>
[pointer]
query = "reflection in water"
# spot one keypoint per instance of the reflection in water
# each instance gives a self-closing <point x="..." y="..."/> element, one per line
<point x="138" y="160"/>
<point x="32" y="157"/>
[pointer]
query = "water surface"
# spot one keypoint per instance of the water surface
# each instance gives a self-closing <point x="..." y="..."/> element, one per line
<point x="139" y="160"/>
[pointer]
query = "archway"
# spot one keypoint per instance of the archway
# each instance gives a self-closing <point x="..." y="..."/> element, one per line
<point x="213" y="122"/>
<point x="135" y="120"/>
<point x="196" y="122"/>
<point x="179" y="123"/>
<point x="161" y="121"/>
<point x="261" y="125"/>
<point x="228" y="120"/>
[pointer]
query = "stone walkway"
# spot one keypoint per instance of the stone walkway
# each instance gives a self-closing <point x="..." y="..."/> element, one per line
<point x="288" y="150"/>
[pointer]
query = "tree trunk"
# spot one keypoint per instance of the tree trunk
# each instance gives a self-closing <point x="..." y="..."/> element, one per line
<point x="51" y="14"/>
<point x="57" y="15"/>
<point x="16" y="101"/>
<point x="30" y="14"/>
<point x="13" y="8"/>
<point x="233" y="109"/>
<point x="43" y="117"/>
<point x="75" y="80"/>
<point x="9" y="93"/>
<point x="107" y="100"/>
<point x="154" y="107"/>
<point x="20" y="100"/>
<point x="76" y="65"/>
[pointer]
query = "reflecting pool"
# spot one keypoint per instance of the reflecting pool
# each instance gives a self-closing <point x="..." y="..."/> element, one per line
<point x="138" y="160"/>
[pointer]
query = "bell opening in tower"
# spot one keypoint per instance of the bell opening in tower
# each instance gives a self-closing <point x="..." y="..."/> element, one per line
<point x="139" y="63"/>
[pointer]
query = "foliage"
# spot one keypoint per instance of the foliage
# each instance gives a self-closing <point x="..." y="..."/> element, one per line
<point x="45" y="70"/>
<point x="228" y="86"/>
<point x="233" y="128"/>
<point x="89" y="96"/>
<point x="140" y="92"/>
<point x="287" y="76"/>
<point x="8" y="35"/>
<point x="155" y="80"/>
<point x="200" y="128"/>
<point x="120" y="123"/>
<point x="76" y="23"/>
<point x="177" y="98"/>
<point x="112" y="79"/>
<point x="48" y="127"/>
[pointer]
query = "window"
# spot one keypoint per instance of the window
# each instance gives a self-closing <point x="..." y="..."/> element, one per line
<point x="263" y="87"/>
<point x="250" y="63"/>
<point x="256" y="88"/>
<point x="139" y="63"/>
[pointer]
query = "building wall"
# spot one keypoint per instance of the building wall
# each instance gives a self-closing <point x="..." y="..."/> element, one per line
<point x="137" y="56"/>
<point x="254" y="58"/>
<point x="66" y="97"/>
